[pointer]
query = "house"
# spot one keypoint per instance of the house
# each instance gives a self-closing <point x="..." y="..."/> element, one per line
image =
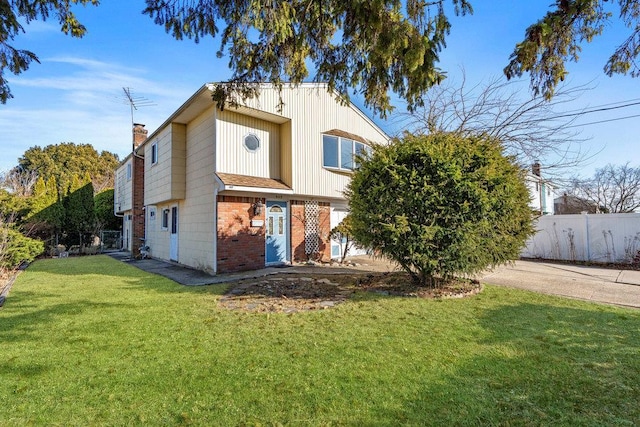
<point x="244" y="187"/>
<point x="541" y="191"/>
<point x="568" y="204"/>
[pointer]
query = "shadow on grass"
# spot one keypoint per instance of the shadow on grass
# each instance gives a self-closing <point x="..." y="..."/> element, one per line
<point x="539" y="364"/>
<point x="95" y="267"/>
<point x="157" y="283"/>
<point x="81" y="266"/>
<point x="20" y="327"/>
<point x="16" y="368"/>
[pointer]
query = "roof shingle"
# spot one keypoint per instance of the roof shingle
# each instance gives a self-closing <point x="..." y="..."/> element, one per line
<point x="252" y="181"/>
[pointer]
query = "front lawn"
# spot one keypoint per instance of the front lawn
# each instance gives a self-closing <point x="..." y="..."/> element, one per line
<point x="94" y="341"/>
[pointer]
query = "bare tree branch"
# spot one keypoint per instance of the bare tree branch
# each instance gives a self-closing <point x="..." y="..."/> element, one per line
<point x="19" y="182"/>
<point x="613" y="189"/>
<point x="529" y="128"/>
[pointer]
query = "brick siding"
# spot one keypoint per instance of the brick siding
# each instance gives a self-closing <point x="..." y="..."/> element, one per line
<point x="240" y="246"/>
<point x="297" y="231"/>
<point x="138" y="205"/>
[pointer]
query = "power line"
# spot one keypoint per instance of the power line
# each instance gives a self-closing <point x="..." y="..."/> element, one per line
<point x="603" y="121"/>
<point x="603" y="105"/>
<point x="582" y="113"/>
<point x="596" y="109"/>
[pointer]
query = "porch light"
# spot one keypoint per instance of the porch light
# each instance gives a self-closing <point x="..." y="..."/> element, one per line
<point x="257" y="208"/>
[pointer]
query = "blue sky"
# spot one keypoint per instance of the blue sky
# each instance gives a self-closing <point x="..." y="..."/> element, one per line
<point x="75" y="94"/>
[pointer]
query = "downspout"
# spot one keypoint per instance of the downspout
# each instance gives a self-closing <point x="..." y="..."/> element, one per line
<point x="215" y="228"/>
<point x="215" y="187"/>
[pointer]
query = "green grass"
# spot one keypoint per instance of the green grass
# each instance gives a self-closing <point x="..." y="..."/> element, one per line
<point x="92" y="341"/>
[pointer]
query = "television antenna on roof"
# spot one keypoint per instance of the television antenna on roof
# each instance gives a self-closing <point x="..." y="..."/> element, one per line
<point x="135" y="102"/>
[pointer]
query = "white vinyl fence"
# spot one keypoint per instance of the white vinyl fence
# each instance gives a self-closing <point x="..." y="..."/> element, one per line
<point x="586" y="237"/>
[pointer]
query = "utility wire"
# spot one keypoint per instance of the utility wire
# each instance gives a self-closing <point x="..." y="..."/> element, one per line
<point x="599" y="108"/>
<point x="582" y="113"/>
<point x="603" y="121"/>
<point x="577" y="110"/>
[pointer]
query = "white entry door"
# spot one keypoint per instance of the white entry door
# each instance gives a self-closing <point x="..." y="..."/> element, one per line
<point x="173" y="243"/>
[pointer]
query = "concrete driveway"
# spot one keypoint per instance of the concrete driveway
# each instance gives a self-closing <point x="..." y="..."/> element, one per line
<point x="609" y="286"/>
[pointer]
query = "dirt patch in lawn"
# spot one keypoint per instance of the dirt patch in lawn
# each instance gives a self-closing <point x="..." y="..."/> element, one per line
<point x="290" y="293"/>
<point x="399" y="284"/>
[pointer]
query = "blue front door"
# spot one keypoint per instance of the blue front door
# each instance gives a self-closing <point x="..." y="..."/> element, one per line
<point x="276" y="233"/>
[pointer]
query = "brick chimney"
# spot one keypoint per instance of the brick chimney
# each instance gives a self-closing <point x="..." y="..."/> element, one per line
<point x="535" y="168"/>
<point x="139" y="135"/>
<point x="137" y="190"/>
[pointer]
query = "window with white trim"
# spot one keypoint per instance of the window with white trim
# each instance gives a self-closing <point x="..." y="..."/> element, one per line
<point x="128" y="171"/>
<point x="154" y="153"/>
<point x="251" y="142"/>
<point x="165" y="219"/>
<point x="340" y="153"/>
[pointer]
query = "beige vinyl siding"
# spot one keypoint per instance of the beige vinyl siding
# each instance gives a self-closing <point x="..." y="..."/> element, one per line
<point x="178" y="160"/>
<point x="312" y="111"/>
<point x="196" y="221"/>
<point x="195" y="209"/>
<point x="233" y="157"/>
<point x="286" y="171"/>
<point x="122" y="188"/>
<point x="166" y="179"/>
<point x="157" y="238"/>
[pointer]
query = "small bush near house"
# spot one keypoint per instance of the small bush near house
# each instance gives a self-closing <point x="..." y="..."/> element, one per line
<point x="441" y="205"/>
<point x="15" y="248"/>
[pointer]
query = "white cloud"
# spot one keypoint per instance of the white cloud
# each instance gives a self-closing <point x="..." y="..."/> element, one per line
<point x="88" y="75"/>
<point x="38" y="27"/>
<point x="81" y="100"/>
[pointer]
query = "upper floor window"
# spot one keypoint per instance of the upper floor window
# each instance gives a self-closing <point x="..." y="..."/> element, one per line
<point x="361" y="150"/>
<point x="154" y="153"/>
<point x="340" y="153"/>
<point x="128" y="171"/>
<point x="330" y="151"/>
<point x="251" y="142"/>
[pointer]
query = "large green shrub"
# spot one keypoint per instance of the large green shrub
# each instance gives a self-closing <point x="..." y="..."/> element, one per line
<point x="79" y="210"/>
<point x="105" y="219"/>
<point x="15" y="248"/>
<point x="441" y="205"/>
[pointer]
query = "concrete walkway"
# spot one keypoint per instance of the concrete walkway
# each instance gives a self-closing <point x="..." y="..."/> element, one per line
<point x="191" y="277"/>
<point x="609" y="286"/>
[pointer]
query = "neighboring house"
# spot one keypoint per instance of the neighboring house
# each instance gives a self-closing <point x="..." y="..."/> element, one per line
<point x="247" y="187"/>
<point x="568" y="204"/>
<point x="541" y="191"/>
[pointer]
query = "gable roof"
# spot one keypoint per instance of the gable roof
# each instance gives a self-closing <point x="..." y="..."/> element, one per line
<point x="201" y="100"/>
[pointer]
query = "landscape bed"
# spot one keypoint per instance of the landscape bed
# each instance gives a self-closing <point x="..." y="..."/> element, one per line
<point x="92" y="340"/>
